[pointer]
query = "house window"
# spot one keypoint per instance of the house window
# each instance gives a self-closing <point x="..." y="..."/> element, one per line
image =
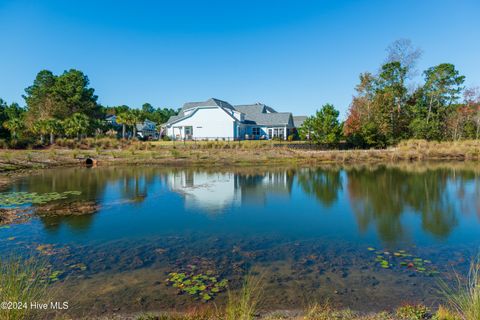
<point x="256" y="131"/>
<point x="270" y="133"/>
<point x="278" y="133"/>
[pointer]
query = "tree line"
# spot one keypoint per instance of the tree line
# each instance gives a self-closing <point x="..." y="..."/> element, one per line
<point x="389" y="106"/>
<point x="66" y="106"/>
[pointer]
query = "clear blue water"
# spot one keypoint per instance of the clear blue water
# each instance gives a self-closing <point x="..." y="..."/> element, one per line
<point x="306" y="230"/>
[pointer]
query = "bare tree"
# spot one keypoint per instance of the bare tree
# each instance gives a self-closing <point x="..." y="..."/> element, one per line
<point x="403" y="51"/>
<point x="472" y="101"/>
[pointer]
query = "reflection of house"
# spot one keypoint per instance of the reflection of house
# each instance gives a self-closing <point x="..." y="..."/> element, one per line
<point x="215" y="118"/>
<point x="255" y="188"/>
<point x="211" y="192"/>
<point x="147" y="129"/>
<point x="214" y="192"/>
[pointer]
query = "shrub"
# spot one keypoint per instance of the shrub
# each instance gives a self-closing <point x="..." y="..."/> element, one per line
<point x="445" y="314"/>
<point x="413" y="312"/>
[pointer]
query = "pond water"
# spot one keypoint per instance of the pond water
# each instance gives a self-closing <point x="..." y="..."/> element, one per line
<point x="368" y="238"/>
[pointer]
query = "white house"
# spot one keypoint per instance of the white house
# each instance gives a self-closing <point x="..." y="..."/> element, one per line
<point x="217" y="119"/>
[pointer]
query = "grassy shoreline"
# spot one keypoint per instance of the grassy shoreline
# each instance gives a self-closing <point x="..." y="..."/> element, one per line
<point x="245" y="153"/>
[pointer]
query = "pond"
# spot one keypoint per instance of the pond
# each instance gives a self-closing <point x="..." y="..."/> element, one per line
<point x="368" y="238"/>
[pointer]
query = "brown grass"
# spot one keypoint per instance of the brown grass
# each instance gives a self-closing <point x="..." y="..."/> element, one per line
<point x="220" y="153"/>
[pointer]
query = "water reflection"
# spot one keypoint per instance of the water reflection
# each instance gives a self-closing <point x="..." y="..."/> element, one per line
<point x="324" y="184"/>
<point x="208" y="191"/>
<point x="382" y="198"/>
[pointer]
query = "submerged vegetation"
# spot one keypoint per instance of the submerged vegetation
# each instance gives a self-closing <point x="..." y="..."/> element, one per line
<point x="13" y="199"/>
<point x="204" y="286"/>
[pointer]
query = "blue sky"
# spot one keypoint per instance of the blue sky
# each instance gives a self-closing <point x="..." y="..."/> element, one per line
<point x="292" y="55"/>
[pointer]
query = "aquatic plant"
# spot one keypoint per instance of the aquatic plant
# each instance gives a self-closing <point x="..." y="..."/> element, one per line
<point x="22" y="281"/>
<point x="464" y="296"/>
<point x="243" y="305"/>
<point x="402" y="258"/>
<point x="15" y="199"/>
<point x="204" y="286"/>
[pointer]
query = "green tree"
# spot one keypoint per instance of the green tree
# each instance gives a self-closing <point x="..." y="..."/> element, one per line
<point x="147" y="109"/>
<point x="14" y="126"/>
<point x="443" y="85"/>
<point x="391" y="98"/>
<point x="76" y="125"/>
<point x="433" y="102"/>
<point x="134" y="118"/>
<point x="40" y="97"/>
<point x="40" y="128"/>
<point x="126" y="120"/>
<point x="323" y="127"/>
<point x="3" y="117"/>
<point x="74" y="95"/>
<point x="59" y="97"/>
<point x="53" y="127"/>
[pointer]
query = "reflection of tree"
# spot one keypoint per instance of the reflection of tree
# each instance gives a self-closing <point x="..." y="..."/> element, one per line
<point x="134" y="188"/>
<point x="381" y="195"/>
<point x="77" y="223"/>
<point x="255" y="187"/>
<point x="324" y="184"/>
<point x="93" y="183"/>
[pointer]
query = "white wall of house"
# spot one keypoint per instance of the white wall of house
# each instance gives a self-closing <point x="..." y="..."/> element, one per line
<point x="207" y="122"/>
<point x="209" y="192"/>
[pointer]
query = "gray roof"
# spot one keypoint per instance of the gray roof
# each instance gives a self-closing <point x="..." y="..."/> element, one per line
<point x="189" y="105"/>
<point x="142" y="125"/>
<point x="173" y="118"/>
<point x="254" y="108"/>
<point x="209" y="102"/>
<point x="270" y="119"/>
<point x="298" y="121"/>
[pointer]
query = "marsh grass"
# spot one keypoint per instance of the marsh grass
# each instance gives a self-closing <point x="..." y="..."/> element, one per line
<point x="326" y="311"/>
<point x="464" y="296"/>
<point x="243" y="305"/>
<point x="23" y="281"/>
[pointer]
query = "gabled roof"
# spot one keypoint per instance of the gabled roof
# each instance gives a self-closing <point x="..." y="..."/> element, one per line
<point x="270" y="119"/>
<point x="209" y="102"/>
<point x="298" y="121"/>
<point x="254" y="108"/>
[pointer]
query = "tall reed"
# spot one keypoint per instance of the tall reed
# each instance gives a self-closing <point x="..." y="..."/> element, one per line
<point x="464" y="296"/>
<point x="21" y="283"/>
<point x="243" y="305"/>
